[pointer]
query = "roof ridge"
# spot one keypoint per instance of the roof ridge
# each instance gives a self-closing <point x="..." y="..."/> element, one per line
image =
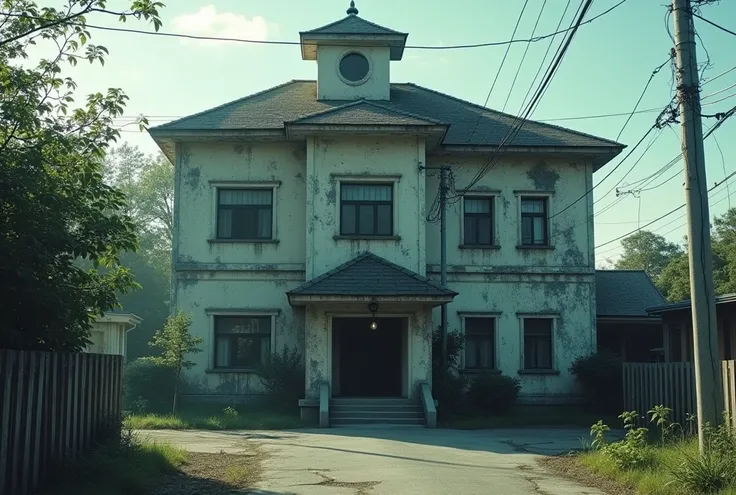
<point x="403" y="112"/>
<point x="334" y="23"/>
<point x="328" y="110"/>
<point x="484" y="108"/>
<point x="232" y="102"/>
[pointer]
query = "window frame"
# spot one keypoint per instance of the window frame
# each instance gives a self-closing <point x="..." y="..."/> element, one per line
<point x="492" y="315"/>
<point x="546" y="196"/>
<point x="350" y="179"/>
<point x="552" y="348"/>
<point x="491" y="197"/>
<point x="213" y="314"/>
<point x="217" y="186"/>
<point x="344" y="54"/>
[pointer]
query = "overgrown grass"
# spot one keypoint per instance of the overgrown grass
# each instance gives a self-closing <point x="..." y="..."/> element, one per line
<point x="126" y="468"/>
<point x="527" y="416"/>
<point x="214" y="418"/>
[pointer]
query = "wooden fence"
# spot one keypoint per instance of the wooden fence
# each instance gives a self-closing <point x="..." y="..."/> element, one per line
<point x="672" y="385"/>
<point x="53" y="407"/>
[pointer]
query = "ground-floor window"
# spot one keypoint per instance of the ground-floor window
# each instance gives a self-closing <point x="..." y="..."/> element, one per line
<point x="538" y="343"/>
<point x="480" y="343"/>
<point x="242" y="341"/>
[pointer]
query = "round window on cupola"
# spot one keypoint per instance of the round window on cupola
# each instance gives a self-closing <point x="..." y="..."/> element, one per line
<point x="354" y="68"/>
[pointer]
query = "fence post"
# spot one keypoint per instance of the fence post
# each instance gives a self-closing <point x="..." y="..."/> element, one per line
<point x="7" y="359"/>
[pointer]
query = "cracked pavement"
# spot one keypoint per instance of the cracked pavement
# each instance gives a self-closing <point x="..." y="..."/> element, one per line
<point x="396" y="460"/>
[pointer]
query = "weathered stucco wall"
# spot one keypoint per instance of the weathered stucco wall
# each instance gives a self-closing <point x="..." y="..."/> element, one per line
<point x="331" y="87"/>
<point x="205" y="293"/>
<point x="384" y="159"/>
<point x="318" y="343"/>
<point x="506" y="297"/>
<point x="201" y="166"/>
<point x="571" y="232"/>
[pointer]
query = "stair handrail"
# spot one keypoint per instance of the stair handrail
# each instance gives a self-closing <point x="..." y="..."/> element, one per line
<point x="430" y="411"/>
<point x="324" y="405"/>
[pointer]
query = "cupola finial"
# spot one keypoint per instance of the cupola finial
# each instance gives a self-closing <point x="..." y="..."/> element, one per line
<point x="352" y="10"/>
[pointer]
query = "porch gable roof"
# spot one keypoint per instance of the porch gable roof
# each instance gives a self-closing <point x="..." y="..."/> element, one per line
<point x="371" y="275"/>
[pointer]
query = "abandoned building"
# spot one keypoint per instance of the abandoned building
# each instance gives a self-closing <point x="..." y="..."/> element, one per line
<point x="306" y="217"/>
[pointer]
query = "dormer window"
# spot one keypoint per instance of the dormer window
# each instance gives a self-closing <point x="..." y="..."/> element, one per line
<point x="354" y="68"/>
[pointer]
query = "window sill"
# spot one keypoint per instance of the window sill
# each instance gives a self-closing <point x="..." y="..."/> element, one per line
<point x="480" y="371"/>
<point x="479" y="246"/>
<point x="338" y="237"/>
<point x="539" y="372"/>
<point x="243" y="241"/>
<point x="231" y="370"/>
<point x="535" y="246"/>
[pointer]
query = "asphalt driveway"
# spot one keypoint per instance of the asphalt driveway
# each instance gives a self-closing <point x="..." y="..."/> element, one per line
<point x="393" y="460"/>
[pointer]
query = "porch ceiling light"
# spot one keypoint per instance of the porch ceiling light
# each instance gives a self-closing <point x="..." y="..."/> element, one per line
<point x="373" y="307"/>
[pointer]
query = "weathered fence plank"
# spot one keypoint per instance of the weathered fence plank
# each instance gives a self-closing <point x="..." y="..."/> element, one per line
<point x="54" y="406"/>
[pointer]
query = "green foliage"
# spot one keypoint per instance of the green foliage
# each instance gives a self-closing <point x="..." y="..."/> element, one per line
<point x="711" y="471"/>
<point x="230" y="413"/>
<point x="448" y="385"/>
<point x="145" y="382"/>
<point x="647" y="251"/>
<point x="127" y="466"/>
<point x="493" y="393"/>
<point x="598" y="434"/>
<point x="599" y="375"/>
<point x="212" y="417"/>
<point x="176" y="343"/>
<point x="661" y="416"/>
<point x="629" y="453"/>
<point x="674" y="282"/>
<point x="283" y="378"/>
<point x="55" y="208"/>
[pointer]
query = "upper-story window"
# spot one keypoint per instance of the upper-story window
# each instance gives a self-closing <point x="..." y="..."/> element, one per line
<point x="245" y="214"/>
<point x="534" y="220"/>
<point x="478" y="227"/>
<point x="366" y="209"/>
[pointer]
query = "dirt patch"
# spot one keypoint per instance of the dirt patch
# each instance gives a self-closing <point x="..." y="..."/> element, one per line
<point x="570" y="467"/>
<point x="214" y="474"/>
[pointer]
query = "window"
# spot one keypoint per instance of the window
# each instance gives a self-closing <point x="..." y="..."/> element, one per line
<point x="244" y="214"/>
<point x="480" y="343"/>
<point x="534" y="222"/>
<point x="366" y="209"/>
<point x="478" y="228"/>
<point x="242" y="341"/>
<point x="354" y="67"/>
<point x="538" y="343"/>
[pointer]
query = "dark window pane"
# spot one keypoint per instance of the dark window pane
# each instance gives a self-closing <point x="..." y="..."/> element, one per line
<point x="471" y="233"/>
<point x="347" y="218"/>
<point x="479" y="343"/>
<point x="242" y="341"/>
<point x="527" y="230"/>
<point x="365" y="221"/>
<point x="384" y="219"/>
<point x="354" y="67"/>
<point x="484" y="230"/>
<point x="537" y="343"/>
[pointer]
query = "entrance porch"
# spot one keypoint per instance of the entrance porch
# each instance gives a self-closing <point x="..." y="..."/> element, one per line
<point x="368" y="331"/>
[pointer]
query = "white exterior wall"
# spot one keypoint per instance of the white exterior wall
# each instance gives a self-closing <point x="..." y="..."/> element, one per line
<point x="384" y="159"/>
<point x="507" y="281"/>
<point x="330" y="86"/>
<point x="107" y="338"/>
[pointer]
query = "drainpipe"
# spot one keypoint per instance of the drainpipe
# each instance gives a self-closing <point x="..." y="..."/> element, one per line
<point x="443" y="258"/>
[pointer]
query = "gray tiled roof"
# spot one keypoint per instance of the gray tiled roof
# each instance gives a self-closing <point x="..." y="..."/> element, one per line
<point x="363" y="112"/>
<point x="469" y="124"/>
<point x="352" y="24"/>
<point x="371" y="275"/>
<point x="676" y="306"/>
<point x="625" y="293"/>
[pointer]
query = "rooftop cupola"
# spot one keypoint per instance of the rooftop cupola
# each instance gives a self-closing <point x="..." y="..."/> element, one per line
<point x="353" y="57"/>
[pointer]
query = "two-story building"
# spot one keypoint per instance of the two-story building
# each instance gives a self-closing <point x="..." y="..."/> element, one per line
<point x="306" y="216"/>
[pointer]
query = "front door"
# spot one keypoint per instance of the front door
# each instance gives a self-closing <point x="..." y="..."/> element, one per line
<point x="367" y="362"/>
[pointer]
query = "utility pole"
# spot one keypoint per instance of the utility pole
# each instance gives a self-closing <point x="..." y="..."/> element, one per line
<point x="443" y="257"/>
<point x="705" y="339"/>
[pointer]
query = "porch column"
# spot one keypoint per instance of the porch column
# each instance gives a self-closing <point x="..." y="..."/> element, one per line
<point x="316" y="351"/>
<point x="420" y="345"/>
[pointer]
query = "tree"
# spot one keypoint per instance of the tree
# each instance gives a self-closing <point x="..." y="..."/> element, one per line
<point x="54" y="206"/>
<point x="674" y="281"/>
<point x="176" y="342"/>
<point x="647" y="251"/>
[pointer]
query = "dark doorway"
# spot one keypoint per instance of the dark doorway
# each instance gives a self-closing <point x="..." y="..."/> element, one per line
<point x="366" y="362"/>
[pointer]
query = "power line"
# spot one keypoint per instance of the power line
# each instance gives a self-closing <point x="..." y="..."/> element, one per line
<point x="663" y="216"/>
<point x="707" y="81"/>
<point x="714" y="24"/>
<point x="719" y="91"/>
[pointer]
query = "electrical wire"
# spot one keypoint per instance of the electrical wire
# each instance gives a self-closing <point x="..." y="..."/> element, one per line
<point x="523" y="56"/>
<point x="297" y="43"/>
<point x="714" y="24"/>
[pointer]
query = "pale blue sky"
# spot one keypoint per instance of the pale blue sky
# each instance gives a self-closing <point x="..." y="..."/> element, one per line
<point x="604" y="72"/>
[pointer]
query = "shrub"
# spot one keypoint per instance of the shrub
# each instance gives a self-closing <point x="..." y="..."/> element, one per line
<point x="632" y="451"/>
<point x="600" y="378"/>
<point x="283" y="378"/>
<point x="448" y="387"/>
<point x="705" y="473"/>
<point x="455" y="345"/>
<point x="147" y="385"/>
<point x="493" y="393"/>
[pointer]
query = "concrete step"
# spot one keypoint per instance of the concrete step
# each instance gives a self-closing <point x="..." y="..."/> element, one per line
<point x="377" y="407"/>
<point x="361" y="420"/>
<point x="377" y="414"/>
<point x="398" y="401"/>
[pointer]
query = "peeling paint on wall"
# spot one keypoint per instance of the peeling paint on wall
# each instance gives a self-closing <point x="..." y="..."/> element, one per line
<point x="543" y="177"/>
